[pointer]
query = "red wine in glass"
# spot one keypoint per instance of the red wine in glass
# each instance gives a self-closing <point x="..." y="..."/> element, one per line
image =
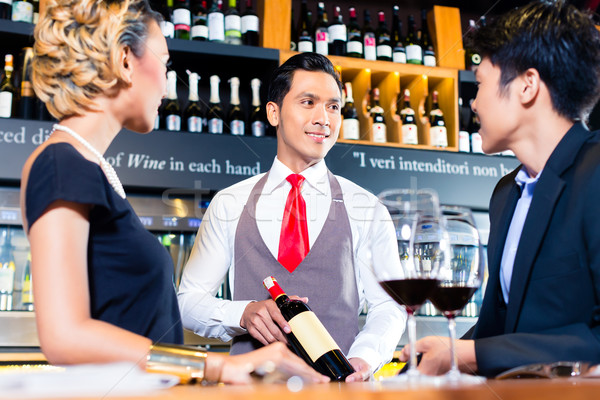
<point x="410" y="293"/>
<point x="450" y="300"/>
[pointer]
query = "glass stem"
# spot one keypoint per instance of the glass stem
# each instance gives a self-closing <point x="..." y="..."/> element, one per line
<point x="453" y="360"/>
<point x="412" y="340"/>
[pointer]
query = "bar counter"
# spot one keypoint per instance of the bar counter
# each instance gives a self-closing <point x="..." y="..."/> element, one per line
<point x="525" y="389"/>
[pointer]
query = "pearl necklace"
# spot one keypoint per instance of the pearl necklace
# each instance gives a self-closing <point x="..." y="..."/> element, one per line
<point x="109" y="171"/>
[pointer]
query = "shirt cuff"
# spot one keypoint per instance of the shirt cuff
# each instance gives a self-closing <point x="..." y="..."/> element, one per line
<point x="233" y="316"/>
<point x="372" y="357"/>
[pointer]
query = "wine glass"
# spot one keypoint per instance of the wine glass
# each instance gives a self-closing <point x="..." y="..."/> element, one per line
<point x="422" y="245"/>
<point x="460" y="278"/>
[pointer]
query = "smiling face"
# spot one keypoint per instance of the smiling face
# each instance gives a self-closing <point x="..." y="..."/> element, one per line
<point x="308" y="121"/>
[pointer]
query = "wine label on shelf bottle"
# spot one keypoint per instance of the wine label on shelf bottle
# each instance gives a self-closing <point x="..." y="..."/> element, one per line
<point x="22" y="11"/>
<point x="250" y="23"/>
<point x="337" y="32"/>
<point x="351" y="128"/>
<point x="182" y="16"/>
<point x="311" y="333"/>
<point x="6" y="104"/>
<point x="322" y="45"/>
<point x="173" y="122"/>
<point x="384" y="51"/>
<point x="305" y="46"/>
<point x="216" y="27"/>
<point x="168" y="29"/>
<point x="439" y="136"/>
<point x="379" y="133"/>
<point x="194" y="124"/>
<point x="237" y="127"/>
<point x="414" y="53"/>
<point x="476" y="143"/>
<point x="215" y="125"/>
<point x="370" y="50"/>
<point x="199" y="31"/>
<point x="258" y="129"/>
<point x="399" y="57"/>
<point x="354" y="47"/>
<point x="409" y="134"/>
<point x="464" y="144"/>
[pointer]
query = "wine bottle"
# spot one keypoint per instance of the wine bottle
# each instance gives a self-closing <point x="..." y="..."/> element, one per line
<point x="309" y="338"/>
<point x="338" y="36"/>
<point x="171" y="110"/>
<point x="233" y="24"/>
<point x="474" y="125"/>
<point x="235" y="116"/>
<point x="250" y="26"/>
<point x="257" y="117"/>
<point x="350" y="123"/>
<point x="438" y="133"/>
<point x="8" y="93"/>
<point x="215" y="113"/>
<point x="414" y="55"/>
<point x="426" y="44"/>
<point x="199" y="30"/>
<point x="7" y="271"/>
<point x="464" y="138"/>
<point x="370" y="42"/>
<point x="384" y="43"/>
<point x="27" y="99"/>
<point x="216" y="22"/>
<point x="182" y="19"/>
<point x="473" y="58"/>
<point x="377" y="114"/>
<point x="293" y="33"/>
<point x="22" y="11"/>
<point x="5" y="9"/>
<point x="321" y="31"/>
<point x="407" y="115"/>
<point x="193" y="114"/>
<point x="354" y="47"/>
<point x="399" y="51"/>
<point x="166" y="25"/>
<point x="305" y="37"/>
<point x="26" y="286"/>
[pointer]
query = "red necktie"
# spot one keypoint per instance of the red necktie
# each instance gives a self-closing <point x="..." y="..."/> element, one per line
<point x="293" y="241"/>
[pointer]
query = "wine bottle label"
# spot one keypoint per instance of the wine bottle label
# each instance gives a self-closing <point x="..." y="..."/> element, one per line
<point x="410" y="134"/>
<point x="379" y="133"/>
<point x="157" y="123"/>
<point x="351" y="129"/>
<point x="173" y="122"/>
<point x="414" y="55"/>
<point x="370" y="50"/>
<point x="22" y="11"/>
<point x="429" y="60"/>
<point x="476" y="143"/>
<point x="322" y="45"/>
<point x="199" y="31"/>
<point x="182" y="16"/>
<point x="463" y="142"/>
<point x="258" y="129"/>
<point x="168" y="29"/>
<point x="215" y="125"/>
<point x="384" y="50"/>
<point x="250" y="23"/>
<point x="194" y="124"/>
<point x="354" y="47"/>
<point x="305" y="46"/>
<point x="439" y="136"/>
<point x="216" y="27"/>
<point x="399" y="57"/>
<point x="9" y="2"/>
<point x="312" y="335"/>
<point x="337" y="32"/>
<point x="233" y="23"/>
<point x="6" y="104"/>
<point x="7" y="276"/>
<point x="237" y="127"/>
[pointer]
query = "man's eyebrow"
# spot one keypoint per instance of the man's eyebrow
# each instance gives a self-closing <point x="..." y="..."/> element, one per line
<point x="314" y="96"/>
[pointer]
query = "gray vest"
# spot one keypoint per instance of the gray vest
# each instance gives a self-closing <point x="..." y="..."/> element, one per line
<point x="326" y="275"/>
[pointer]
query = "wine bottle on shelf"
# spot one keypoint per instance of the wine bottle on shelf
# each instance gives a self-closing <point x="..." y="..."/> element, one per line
<point x="473" y="58"/>
<point x="414" y="54"/>
<point x="233" y="24"/>
<point x="293" y="34"/>
<point x="8" y="93"/>
<point x="22" y="11"/>
<point x="7" y="271"/>
<point x="215" y="115"/>
<point x="216" y="22"/>
<point x="437" y="132"/>
<point x="182" y="19"/>
<point x="398" y="51"/>
<point x="258" y="116"/>
<point x="199" y="30"/>
<point x="309" y="338"/>
<point x="410" y="133"/>
<point x="370" y="41"/>
<point x="171" y="110"/>
<point x="193" y="114"/>
<point x="426" y="43"/>
<point x="338" y="36"/>
<point x="354" y="47"/>
<point x="5" y="9"/>
<point x="27" y="100"/>
<point x="305" y="36"/>
<point x="26" y="286"/>
<point x="250" y="26"/>
<point x="384" y="43"/>
<point x="464" y="138"/>
<point x="235" y="116"/>
<point x="321" y="31"/>
<point x="377" y="115"/>
<point x="474" y="125"/>
<point x="166" y="25"/>
<point x="350" y="123"/>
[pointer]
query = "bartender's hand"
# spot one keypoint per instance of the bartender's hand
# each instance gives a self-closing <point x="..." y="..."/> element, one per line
<point x="237" y="369"/>
<point x="435" y="352"/>
<point x="362" y="370"/>
<point x="264" y="322"/>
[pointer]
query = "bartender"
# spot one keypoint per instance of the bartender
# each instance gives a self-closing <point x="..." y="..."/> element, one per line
<point x="320" y="235"/>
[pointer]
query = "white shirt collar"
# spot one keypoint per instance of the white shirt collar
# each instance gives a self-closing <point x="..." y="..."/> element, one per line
<point x="316" y="176"/>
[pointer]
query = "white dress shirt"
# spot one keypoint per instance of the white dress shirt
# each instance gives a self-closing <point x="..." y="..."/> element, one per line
<point x="374" y="243"/>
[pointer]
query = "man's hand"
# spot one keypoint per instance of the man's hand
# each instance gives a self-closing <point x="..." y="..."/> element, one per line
<point x="362" y="370"/>
<point x="264" y="322"/>
<point x="435" y="352"/>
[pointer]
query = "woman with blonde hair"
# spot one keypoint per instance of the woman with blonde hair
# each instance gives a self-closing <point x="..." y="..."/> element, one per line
<point x="103" y="284"/>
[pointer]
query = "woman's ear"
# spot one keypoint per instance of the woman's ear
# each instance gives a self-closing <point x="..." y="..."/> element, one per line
<point x="273" y="113"/>
<point x="125" y="65"/>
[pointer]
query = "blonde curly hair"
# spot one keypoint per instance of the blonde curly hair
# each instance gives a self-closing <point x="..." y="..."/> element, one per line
<point x="76" y="50"/>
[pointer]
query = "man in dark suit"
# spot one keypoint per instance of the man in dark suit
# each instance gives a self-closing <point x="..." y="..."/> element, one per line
<point x="538" y="81"/>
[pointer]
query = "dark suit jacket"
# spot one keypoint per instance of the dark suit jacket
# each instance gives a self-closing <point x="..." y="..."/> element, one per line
<point x="553" y="312"/>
